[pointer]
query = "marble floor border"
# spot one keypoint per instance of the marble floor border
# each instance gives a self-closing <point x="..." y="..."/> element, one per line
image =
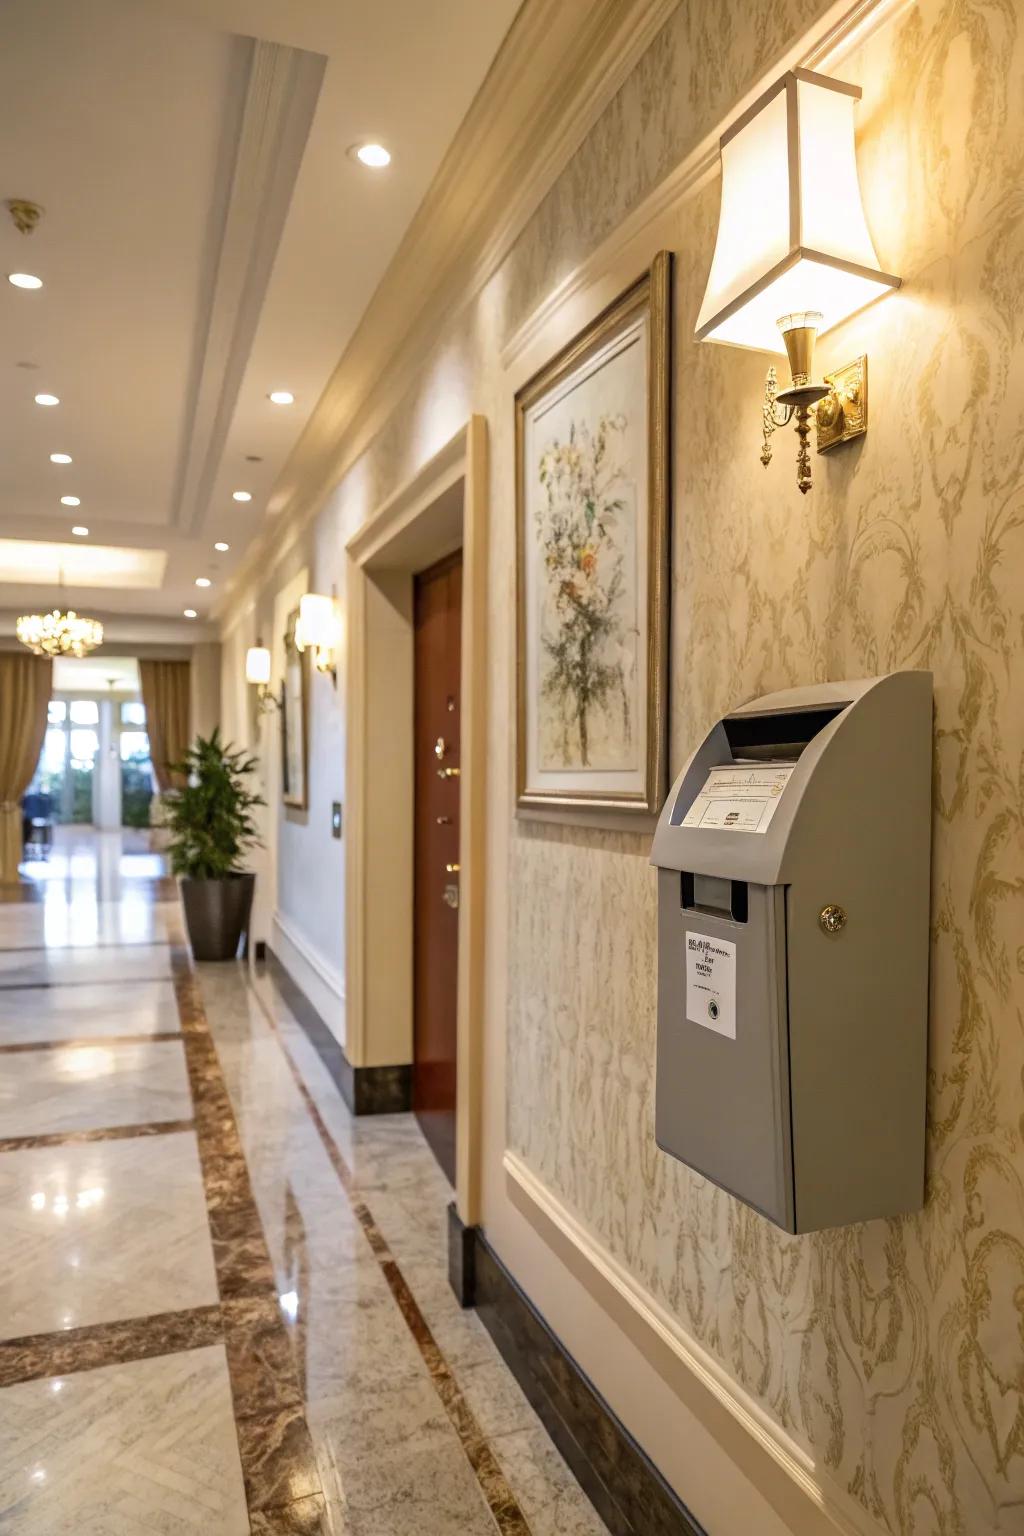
<point x="279" y="1467"/>
<point x="501" y="1501"/>
<point x="32" y="892"/>
<point x="90" y="948"/>
<point x="77" y="981"/>
<point x="78" y="1041"/>
<point x="41" y="1355"/>
<point x="100" y="1133"/>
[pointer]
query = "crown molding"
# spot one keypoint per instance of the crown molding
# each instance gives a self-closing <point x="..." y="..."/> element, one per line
<point x="843" y="28"/>
<point x="559" y="66"/>
<point x="281" y="89"/>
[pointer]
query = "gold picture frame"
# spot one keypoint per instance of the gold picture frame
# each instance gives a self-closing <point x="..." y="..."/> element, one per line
<point x="295" y="720"/>
<point x="593" y="507"/>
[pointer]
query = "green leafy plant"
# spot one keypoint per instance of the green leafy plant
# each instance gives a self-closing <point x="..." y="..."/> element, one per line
<point x="210" y="820"/>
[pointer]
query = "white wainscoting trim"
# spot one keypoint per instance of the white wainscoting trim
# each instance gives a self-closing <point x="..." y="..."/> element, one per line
<point x="540" y="1206"/>
<point x="322" y="984"/>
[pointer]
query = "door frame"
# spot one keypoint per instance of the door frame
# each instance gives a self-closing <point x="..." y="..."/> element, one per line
<point x="443" y="507"/>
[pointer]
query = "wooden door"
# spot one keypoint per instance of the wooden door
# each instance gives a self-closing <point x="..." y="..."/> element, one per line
<point x="438" y="649"/>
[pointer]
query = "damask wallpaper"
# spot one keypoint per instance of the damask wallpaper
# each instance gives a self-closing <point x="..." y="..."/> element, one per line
<point x="894" y="1351"/>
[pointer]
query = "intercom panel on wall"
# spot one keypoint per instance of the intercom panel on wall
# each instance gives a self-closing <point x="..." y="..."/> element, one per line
<point x="793" y="901"/>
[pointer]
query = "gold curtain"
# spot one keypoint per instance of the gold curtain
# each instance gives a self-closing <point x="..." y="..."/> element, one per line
<point x="25" y="683"/>
<point x="165" y="693"/>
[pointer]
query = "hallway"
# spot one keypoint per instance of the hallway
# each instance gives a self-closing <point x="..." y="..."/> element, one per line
<point x="226" y="1301"/>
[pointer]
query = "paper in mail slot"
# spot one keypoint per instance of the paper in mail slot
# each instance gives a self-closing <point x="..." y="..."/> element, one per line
<point x="739" y="798"/>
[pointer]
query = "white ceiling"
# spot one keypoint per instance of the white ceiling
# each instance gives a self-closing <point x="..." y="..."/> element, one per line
<point x="206" y="238"/>
<point x="96" y="674"/>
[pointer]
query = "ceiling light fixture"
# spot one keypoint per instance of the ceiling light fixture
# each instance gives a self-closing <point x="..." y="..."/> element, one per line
<point x="241" y="496"/>
<point x="80" y="531"/>
<point x="47" y="400"/>
<point x="203" y="581"/>
<point x="373" y="155"/>
<point x="281" y="397"/>
<point x="221" y="547"/>
<point x="190" y="613"/>
<point x="24" y="280"/>
<point x="60" y="458"/>
<point x="71" y="501"/>
<point x="59" y="634"/>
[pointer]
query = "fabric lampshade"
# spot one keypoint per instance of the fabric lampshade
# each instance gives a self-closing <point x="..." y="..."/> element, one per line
<point x="791" y="232"/>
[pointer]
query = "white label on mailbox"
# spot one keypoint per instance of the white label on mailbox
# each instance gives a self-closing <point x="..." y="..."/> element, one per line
<point x="740" y="798"/>
<point x="711" y="983"/>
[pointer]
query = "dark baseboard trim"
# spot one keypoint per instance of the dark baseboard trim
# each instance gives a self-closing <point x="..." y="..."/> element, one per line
<point x="366" y="1090"/>
<point x="461" y="1258"/>
<point x="619" y="1479"/>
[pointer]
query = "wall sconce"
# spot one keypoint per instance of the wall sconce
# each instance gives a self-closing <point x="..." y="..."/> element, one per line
<point x="794" y="255"/>
<point x="319" y="630"/>
<point x="257" y="672"/>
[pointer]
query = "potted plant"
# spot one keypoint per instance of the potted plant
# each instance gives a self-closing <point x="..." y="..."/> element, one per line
<point x="211" y="827"/>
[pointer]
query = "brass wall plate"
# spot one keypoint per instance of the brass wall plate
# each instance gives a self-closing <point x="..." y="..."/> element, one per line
<point x="843" y="414"/>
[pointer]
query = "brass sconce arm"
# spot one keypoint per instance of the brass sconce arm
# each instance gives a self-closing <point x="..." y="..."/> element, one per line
<point x="267" y="700"/>
<point x="773" y="416"/>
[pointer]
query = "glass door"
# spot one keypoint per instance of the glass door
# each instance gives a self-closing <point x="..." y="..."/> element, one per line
<point x="68" y="758"/>
<point x="137" y="785"/>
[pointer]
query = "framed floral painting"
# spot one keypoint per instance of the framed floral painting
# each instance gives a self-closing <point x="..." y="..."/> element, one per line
<point x="592" y="507"/>
<point x="295" y="720"/>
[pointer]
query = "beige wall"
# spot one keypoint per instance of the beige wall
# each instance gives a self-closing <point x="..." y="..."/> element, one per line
<point x="877" y="1370"/>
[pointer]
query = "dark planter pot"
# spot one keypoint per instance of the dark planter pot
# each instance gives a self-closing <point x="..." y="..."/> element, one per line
<point x="216" y="914"/>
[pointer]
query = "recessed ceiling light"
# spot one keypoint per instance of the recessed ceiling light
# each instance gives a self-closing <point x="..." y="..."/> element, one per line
<point x="241" y="496"/>
<point x="202" y="581"/>
<point x="71" y="501"/>
<point x="80" y="531"/>
<point x="282" y="397"/>
<point x="190" y="613"/>
<point x="24" y="280"/>
<point x="373" y="155"/>
<point x="221" y="547"/>
<point x="47" y="400"/>
<point x="60" y="458"/>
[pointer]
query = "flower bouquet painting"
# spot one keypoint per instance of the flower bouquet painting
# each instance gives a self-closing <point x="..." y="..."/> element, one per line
<point x="592" y="437"/>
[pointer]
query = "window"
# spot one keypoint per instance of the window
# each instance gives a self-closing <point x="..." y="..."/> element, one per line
<point x="84" y="746"/>
<point x="84" y="712"/>
<point x="133" y="712"/>
<point x="134" y="744"/>
<point x="56" y="712"/>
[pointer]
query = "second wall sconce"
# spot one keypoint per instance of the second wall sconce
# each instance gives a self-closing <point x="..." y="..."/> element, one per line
<point x="257" y="673"/>
<point x="319" y="631"/>
<point x="794" y="255"/>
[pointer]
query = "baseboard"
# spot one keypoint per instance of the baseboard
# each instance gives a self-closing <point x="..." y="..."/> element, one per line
<point x="461" y="1258"/>
<point x="781" y="1469"/>
<point x="622" y="1483"/>
<point x="366" y="1090"/>
<point x="321" y="983"/>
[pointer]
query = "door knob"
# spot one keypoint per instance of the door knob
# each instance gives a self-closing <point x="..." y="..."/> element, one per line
<point x="452" y="869"/>
<point x="448" y="773"/>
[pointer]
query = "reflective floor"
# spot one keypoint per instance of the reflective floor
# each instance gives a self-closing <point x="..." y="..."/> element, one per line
<point x="225" y="1302"/>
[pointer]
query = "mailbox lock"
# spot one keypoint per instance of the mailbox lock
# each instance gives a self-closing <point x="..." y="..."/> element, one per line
<point x="832" y="919"/>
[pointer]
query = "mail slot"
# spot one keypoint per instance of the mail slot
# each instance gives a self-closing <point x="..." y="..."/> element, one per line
<point x="793" y="858"/>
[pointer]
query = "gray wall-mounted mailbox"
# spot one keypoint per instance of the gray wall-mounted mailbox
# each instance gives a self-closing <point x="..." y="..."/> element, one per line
<point x="793" y="860"/>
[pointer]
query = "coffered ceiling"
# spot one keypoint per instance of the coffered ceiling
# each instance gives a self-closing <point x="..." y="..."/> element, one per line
<point x="206" y="239"/>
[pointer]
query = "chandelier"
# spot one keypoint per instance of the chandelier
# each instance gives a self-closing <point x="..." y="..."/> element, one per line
<point x="58" y="633"/>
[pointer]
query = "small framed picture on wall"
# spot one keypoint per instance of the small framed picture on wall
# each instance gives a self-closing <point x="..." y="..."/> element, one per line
<point x="295" y="720"/>
<point x="592" y="509"/>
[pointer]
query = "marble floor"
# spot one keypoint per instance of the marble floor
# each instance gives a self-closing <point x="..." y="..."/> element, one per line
<point x="225" y="1301"/>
